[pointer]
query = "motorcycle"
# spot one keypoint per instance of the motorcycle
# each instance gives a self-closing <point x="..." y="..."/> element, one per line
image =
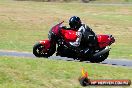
<point x="58" y="41"/>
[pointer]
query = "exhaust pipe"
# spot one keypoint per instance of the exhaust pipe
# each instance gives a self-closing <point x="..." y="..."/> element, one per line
<point x="102" y="51"/>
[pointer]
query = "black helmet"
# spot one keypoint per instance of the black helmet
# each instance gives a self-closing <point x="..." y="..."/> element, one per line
<point x="75" y="22"/>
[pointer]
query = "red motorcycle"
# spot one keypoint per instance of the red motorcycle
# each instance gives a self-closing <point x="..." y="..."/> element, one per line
<point x="58" y="41"/>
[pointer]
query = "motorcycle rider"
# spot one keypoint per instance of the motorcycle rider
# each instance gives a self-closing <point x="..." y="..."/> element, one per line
<point x="85" y="36"/>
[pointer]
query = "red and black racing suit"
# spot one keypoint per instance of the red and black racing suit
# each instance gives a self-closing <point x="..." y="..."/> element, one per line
<point x="86" y="38"/>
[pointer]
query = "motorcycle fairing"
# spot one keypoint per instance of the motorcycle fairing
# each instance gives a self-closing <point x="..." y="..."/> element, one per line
<point x="103" y="40"/>
<point x="46" y="43"/>
<point x="69" y="35"/>
<point x="56" y="28"/>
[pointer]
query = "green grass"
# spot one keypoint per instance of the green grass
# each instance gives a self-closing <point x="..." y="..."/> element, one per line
<point x="24" y="23"/>
<point x="43" y="73"/>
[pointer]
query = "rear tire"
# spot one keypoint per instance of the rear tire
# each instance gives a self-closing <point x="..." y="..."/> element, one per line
<point x="38" y="50"/>
<point x="99" y="58"/>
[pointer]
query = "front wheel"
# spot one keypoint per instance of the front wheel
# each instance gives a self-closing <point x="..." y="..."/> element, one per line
<point x="40" y="51"/>
<point x="99" y="58"/>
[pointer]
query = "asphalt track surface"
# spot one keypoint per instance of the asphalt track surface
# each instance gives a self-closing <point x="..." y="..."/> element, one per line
<point x="116" y="62"/>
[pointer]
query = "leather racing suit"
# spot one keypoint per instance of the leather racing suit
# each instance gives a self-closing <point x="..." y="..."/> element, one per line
<point x="85" y="40"/>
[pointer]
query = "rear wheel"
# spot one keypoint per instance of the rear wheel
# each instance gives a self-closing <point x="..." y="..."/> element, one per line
<point x="100" y="58"/>
<point x="40" y="51"/>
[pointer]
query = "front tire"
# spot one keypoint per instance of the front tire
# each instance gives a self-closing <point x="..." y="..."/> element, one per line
<point x="40" y="51"/>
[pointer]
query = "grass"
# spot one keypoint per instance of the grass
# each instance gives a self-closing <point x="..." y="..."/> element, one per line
<point x="43" y="73"/>
<point x="23" y="23"/>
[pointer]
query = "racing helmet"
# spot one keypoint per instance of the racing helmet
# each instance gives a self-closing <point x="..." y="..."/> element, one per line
<point x="75" y="22"/>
